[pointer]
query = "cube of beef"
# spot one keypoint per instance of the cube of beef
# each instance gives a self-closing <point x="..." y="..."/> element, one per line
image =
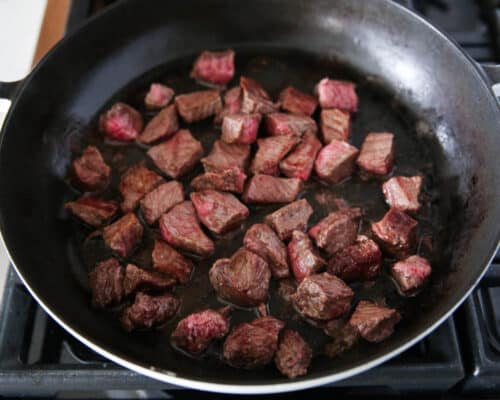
<point x="289" y="124"/>
<point x="286" y="289"/>
<point x="294" y="355"/>
<point x="180" y="228"/>
<point x="194" y="333"/>
<point x="254" y="98"/>
<point x="106" y="283"/>
<point x="359" y="261"/>
<point x="289" y="218"/>
<point x="344" y="335"/>
<point x="253" y="344"/>
<point x="219" y="211"/>
<point x="402" y="192"/>
<point x="197" y="106"/>
<point x="240" y="128"/>
<point x="322" y="297"/>
<point x="337" y="94"/>
<point x="297" y="102"/>
<point x="224" y="156"/>
<point x="270" y="189"/>
<point x="163" y="124"/>
<point x="411" y="273"/>
<point x="148" y="311"/>
<point x="229" y="180"/>
<point x="304" y="258"/>
<point x="337" y="230"/>
<point x="169" y="261"/>
<point x="300" y="162"/>
<point x="271" y="151"/>
<point x="214" y="67"/>
<point x="262" y="240"/>
<point x="121" y="122"/>
<point x="140" y="279"/>
<point x="92" y="210"/>
<point x="178" y="155"/>
<point x="396" y="232"/>
<point x="232" y="104"/>
<point x="335" y="161"/>
<point x="135" y="183"/>
<point x="123" y="235"/>
<point x="243" y="279"/>
<point x="335" y="125"/>
<point x="91" y="170"/>
<point x="377" y="153"/>
<point x="160" y="200"/>
<point x="158" y="96"/>
<point x="373" y="322"/>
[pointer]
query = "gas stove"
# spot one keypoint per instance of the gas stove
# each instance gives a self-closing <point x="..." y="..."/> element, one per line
<point x="461" y="358"/>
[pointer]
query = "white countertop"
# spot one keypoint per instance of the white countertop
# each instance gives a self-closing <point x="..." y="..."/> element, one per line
<point x="20" y="23"/>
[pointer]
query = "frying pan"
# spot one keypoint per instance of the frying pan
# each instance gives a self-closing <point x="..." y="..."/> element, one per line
<point x="425" y="71"/>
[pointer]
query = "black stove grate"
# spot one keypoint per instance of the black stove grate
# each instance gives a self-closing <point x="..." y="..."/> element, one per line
<point x="38" y="358"/>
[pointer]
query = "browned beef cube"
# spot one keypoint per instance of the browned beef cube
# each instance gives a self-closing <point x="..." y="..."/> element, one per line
<point x="254" y="98"/>
<point x="106" y="283"/>
<point x="92" y="210"/>
<point x="123" y="235"/>
<point x="163" y="124"/>
<point x="344" y="335"/>
<point x="140" y="279"/>
<point x="337" y="94"/>
<point x="300" y="162"/>
<point x="178" y="155"/>
<point x="289" y="218"/>
<point x="335" y="125"/>
<point x="121" y="122"/>
<point x="195" y="332"/>
<point x="322" y="297"/>
<point x="411" y="273"/>
<point x="169" y="261"/>
<point x="214" y="67"/>
<point x="304" y="258"/>
<point x="271" y="151"/>
<point x="158" y="96"/>
<point x="253" y="344"/>
<point x="396" y="232"/>
<point x="180" y="228"/>
<point x="335" y="161"/>
<point x="262" y="240"/>
<point x="240" y="128"/>
<point x="270" y="189"/>
<point x="224" y="156"/>
<point x="294" y="354"/>
<point x="243" y="279"/>
<point x="232" y="104"/>
<point x="373" y="322"/>
<point x="286" y="289"/>
<point x="91" y="170"/>
<point x="377" y="153"/>
<point x="148" y="311"/>
<point x="297" y="102"/>
<point x="160" y="200"/>
<point x="278" y="124"/>
<point x="197" y="106"/>
<point x="402" y="192"/>
<point x="337" y="230"/>
<point x="229" y="180"/>
<point x="135" y="183"/>
<point x="219" y="211"/>
<point x="359" y="261"/>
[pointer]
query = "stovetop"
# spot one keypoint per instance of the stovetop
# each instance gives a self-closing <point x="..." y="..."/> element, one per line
<point x="462" y="357"/>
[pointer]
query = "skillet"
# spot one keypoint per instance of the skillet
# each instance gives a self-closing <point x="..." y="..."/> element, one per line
<point x="443" y="99"/>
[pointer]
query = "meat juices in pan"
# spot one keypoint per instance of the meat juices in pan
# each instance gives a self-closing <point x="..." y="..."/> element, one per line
<point x="266" y="228"/>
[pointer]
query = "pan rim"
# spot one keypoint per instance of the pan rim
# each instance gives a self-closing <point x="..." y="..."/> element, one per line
<point x="306" y="383"/>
